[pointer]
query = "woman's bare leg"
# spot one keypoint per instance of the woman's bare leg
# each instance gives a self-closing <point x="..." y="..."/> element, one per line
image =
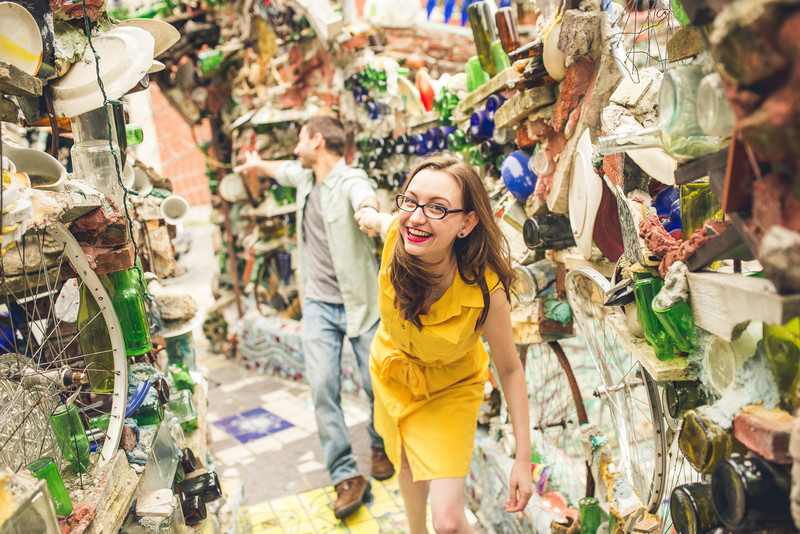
<point x="415" y="497"/>
<point x="447" y="506"/>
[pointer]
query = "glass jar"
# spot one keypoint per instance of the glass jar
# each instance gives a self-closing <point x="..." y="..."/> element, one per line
<point x="180" y="348"/>
<point x="99" y="163"/>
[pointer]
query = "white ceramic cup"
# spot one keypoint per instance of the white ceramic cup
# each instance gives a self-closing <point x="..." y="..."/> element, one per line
<point x="174" y="209"/>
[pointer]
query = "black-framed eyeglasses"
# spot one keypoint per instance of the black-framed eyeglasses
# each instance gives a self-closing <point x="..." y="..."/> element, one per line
<point x="431" y="211"/>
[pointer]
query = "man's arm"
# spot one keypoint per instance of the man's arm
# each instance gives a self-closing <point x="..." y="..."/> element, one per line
<point x="372" y="222"/>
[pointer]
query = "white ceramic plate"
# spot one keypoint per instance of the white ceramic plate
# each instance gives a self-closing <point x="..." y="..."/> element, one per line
<point x="44" y="171"/>
<point x="20" y="40"/>
<point x="553" y="58"/>
<point x="126" y="54"/>
<point x="157" y="66"/>
<point x="164" y="33"/>
<point x="585" y="193"/>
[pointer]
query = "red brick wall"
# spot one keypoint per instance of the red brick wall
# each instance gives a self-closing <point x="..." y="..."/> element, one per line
<point x="182" y="161"/>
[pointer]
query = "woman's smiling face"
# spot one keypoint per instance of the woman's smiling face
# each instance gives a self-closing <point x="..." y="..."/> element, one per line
<point x="431" y="239"/>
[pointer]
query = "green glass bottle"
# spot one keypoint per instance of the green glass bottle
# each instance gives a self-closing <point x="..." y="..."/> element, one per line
<point x="456" y="141"/>
<point x="124" y="287"/>
<point x="589" y="515"/>
<point x="95" y="343"/>
<point x="658" y="338"/>
<point x="47" y="470"/>
<point x="481" y="20"/>
<point x="71" y="436"/>
<point x="151" y="412"/>
<point x="692" y="509"/>
<point x="782" y="345"/>
<point x="181" y="377"/>
<point x="698" y="204"/>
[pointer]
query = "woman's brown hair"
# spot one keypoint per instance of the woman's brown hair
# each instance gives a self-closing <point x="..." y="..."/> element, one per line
<point x="484" y="247"/>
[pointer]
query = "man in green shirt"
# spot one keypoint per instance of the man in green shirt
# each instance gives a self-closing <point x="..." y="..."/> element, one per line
<point x="339" y="285"/>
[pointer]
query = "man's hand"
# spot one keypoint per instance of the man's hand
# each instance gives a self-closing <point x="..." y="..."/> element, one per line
<point x="367" y="219"/>
<point x="252" y="162"/>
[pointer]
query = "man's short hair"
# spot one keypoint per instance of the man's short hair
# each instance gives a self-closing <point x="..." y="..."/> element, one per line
<point x="332" y="132"/>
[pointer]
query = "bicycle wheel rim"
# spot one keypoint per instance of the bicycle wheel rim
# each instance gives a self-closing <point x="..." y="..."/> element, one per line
<point x="39" y="343"/>
<point x="635" y="428"/>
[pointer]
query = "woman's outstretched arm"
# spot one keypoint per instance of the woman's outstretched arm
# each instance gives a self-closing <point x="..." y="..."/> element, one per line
<point x="498" y="333"/>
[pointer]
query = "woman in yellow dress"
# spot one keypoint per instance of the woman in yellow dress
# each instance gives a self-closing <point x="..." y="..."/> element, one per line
<point x="444" y="281"/>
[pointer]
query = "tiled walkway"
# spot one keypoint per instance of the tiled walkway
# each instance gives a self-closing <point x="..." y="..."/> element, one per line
<point x="311" y="512"/>
<point x="263" y="435"/>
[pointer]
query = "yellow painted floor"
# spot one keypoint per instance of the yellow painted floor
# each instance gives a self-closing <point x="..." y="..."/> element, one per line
<point x="311" y="512"/>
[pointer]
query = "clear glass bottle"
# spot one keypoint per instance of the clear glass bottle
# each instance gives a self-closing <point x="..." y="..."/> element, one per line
<point x="714" y="111"/>
<point x="678" y="132"/>
<point x="98" y="154"/>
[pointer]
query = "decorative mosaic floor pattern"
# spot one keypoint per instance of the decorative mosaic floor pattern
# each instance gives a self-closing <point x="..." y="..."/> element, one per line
<point x="311" y="512"/>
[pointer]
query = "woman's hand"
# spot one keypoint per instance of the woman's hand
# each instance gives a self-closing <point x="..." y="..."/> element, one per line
<point x="368" y="219"/>
<point x="521" y="486"/>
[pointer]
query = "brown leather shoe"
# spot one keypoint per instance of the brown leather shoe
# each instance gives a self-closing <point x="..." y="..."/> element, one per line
<point x="382" y="468"/>
<point x="352" y="492"/>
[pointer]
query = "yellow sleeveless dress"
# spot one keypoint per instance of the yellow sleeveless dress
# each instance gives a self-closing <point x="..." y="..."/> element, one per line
<point x="429" y="383"/>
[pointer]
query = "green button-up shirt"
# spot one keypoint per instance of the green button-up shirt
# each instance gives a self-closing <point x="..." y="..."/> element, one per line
<point x="352" y="251"/>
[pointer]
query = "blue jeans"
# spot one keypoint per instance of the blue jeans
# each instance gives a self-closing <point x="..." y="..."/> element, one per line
<point x="323" y="335"/>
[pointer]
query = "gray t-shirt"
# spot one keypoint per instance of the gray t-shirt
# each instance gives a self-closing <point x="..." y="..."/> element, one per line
<point x="321" y="284"/>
